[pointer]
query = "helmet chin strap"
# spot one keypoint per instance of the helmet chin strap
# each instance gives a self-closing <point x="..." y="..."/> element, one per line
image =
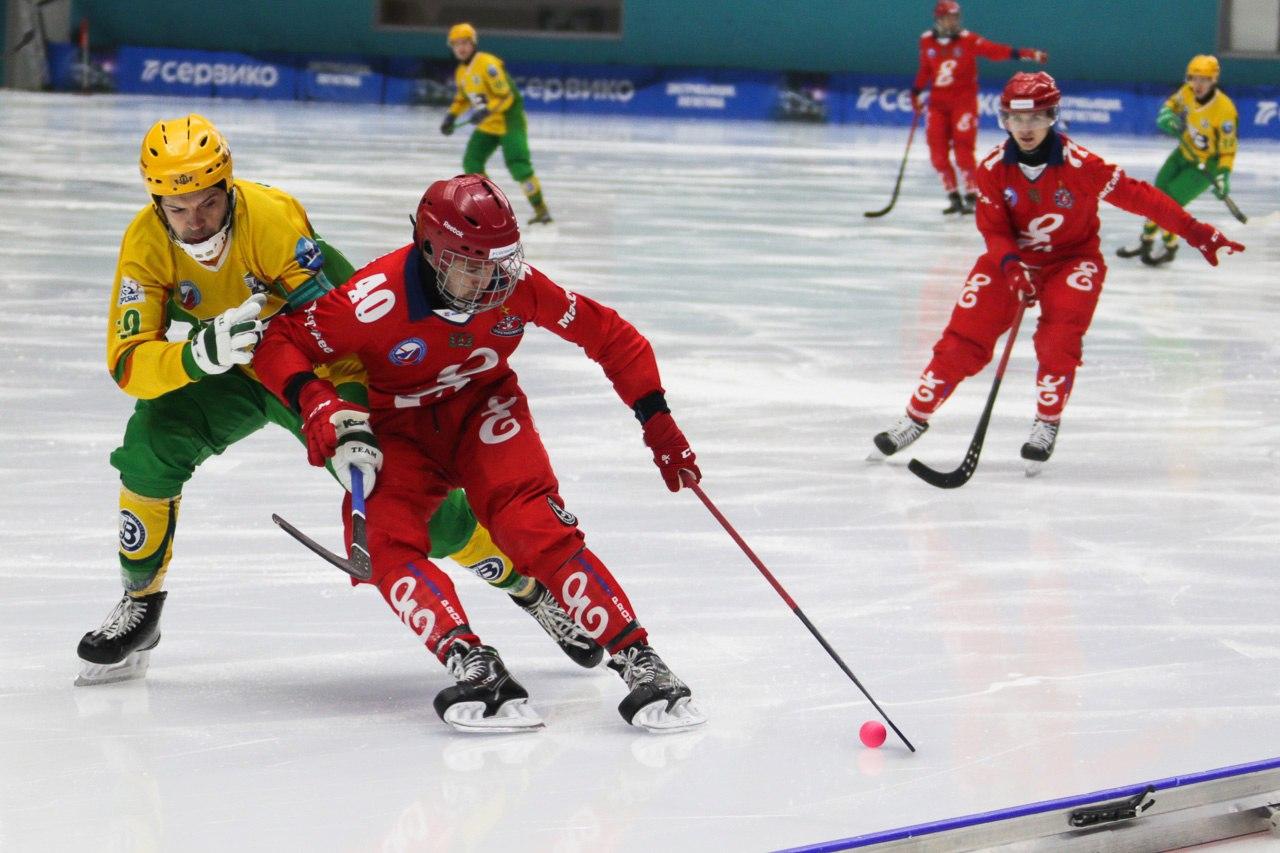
<point x="211" y="250"/>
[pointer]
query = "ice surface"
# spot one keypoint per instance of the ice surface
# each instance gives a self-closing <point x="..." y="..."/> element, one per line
<point x="1111" y="621"/>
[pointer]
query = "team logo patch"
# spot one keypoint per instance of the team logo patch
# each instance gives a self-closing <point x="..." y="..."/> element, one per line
<point x="1063" y="198"/>
<point x="488" y="569"/>
<point x="1228" y="127"/>
<point x="133" y="534"/>
<point x="308" y="254"/>
<point x="933" y="52"/>
<point x="1010" y="196"/>
<point x="408" y="352"/>
<point x="189" y="295"/>
<point x="567" y="518"/>
<point x="509" y="326"/>
<point x="255" y="284"/>
<point x="493" y="71"/>
<point x="130" y="292"/>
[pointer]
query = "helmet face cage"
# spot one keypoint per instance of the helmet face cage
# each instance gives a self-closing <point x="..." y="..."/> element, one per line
<point x="473" y="285"/>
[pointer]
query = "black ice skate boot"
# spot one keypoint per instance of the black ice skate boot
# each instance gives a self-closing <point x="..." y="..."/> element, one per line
<point x="1142" y="250"/>
<point x="970" y="202"/>
<point x="1170" y="252"/>
<point x="120" y="649"/>
<point x="541" y="216"/>
<point x="560" y="627"/>
<point x="486" y="697"/>
<point x="658" y="701"/>
<point x="957" y="203"/>
<point x="1039" y="446"/>
<point x="904" y="431"/>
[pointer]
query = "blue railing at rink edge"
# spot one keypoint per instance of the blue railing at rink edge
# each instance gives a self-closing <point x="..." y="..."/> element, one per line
<point x="603" y="89"/>
<point x="936" y="828"/>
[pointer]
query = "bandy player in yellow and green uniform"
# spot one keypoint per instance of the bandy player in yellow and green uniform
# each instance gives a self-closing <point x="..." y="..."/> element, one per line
<point x="1203" y="120"/>
<point x="488" y="99"/>
<point x="225" y="255"/>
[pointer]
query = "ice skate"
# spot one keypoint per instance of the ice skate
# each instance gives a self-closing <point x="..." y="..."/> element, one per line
<point x="970" y="203"/>
<point x="659" y="701"/>
<point x="1039" y="446"/>
<point x="957" y="203"/>
<point x="1169" y="253"/>
<point x="541" y="216"/>
<point x="1143" y="250"/>
<point x="904" y="431"/>
<point x="120" y="649"/>
<point x="571" y="639"/>
<point x="486" y="697"/>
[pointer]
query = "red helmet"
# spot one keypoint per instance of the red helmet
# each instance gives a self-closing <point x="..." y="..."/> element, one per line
<point x="468" y="233"/>
<point x="1030" y="92"/>
<point x="946" y="7"/>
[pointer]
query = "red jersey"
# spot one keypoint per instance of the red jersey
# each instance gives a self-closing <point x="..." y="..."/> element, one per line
<point x="418" y="356"/>
<point x="949" y="66"/>
<point x="1054" y="216"/>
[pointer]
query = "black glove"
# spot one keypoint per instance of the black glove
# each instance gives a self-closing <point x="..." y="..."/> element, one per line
<point x="478" y="116"/>
<point x="446" y="126"/>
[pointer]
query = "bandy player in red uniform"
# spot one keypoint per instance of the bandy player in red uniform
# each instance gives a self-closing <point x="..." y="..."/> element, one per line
<point x="1038" y="195"/>
<point x="435" y="323"/>
<point x="949" y="69"/>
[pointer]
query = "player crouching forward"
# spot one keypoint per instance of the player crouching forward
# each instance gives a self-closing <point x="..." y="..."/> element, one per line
<point x="1038" y="211"/>
<point x="435" y="323"/>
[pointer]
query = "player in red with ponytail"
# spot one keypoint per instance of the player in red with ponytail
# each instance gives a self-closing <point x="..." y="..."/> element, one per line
<point x="1038" y="195"/>
<point x="435" y="323"/>
<point x="949" y="69"/>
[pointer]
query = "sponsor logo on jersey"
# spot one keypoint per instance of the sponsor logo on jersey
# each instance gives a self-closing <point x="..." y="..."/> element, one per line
<point x="462" y="340"/>
<point x="314" y="329"/>
<point x="188" y="294"/>
<point x="571" y="313"/>
<point x="492" y="71"/>
<point x="1228" y="127"/>
<point x="567" y="518"/>
<point x="1034" y="195"/>
<point x="133" y="533"/>
<point x="1063" y="198"/>
<point x="1010" y="196"/>
<point x="308" y="254"/>
<point x="130" y="292"/>
<point x="508" y="326"/>
<point x="408" y="352"/>
<point x="488" y="569"/>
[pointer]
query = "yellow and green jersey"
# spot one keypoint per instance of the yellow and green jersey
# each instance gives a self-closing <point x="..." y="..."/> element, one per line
<point x="271" y="249"/>
<point x="483" y="83"/>
<point x="1207" y="130"/>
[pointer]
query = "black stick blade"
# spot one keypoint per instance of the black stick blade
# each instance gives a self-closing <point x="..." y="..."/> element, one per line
<point x="360" y="570"/>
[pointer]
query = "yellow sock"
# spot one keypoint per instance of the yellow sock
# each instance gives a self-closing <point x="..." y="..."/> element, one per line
<point x="485" y="560"/>
<point x="146" y="540"/>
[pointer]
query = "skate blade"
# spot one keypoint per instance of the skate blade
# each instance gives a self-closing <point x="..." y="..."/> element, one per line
<point x="133" y="666"/>
<point x="655" y="717"/>
<point x="1033" y="468"/>
<point x="876" y="456"/>
<point x="514" y="715"/>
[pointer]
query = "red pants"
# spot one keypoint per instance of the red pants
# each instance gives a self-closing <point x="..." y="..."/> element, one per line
<point x="1068" y="293"/>
<point x="953" y="127"/>
<point x="484" y="442"/>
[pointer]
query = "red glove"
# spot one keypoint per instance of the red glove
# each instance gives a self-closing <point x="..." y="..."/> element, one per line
<point x="1033" y="54"/>
<point x="1020" y="280"/>
<point x="671" y="451"/>
<point x="1208" y="240"/>
<point x="917" y="100"/>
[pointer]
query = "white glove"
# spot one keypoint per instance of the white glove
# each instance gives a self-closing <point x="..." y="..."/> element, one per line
<point x="356" y="446"/>
<point x="229" y="340"/>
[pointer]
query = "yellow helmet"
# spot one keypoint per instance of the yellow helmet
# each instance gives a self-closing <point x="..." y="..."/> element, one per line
<point x="1203" y="66"/>
<point x="182" y="155"/>
<point x="461" y="32"/>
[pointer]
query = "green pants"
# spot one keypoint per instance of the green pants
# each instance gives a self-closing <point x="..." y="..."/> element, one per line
<point x="1183" y="181"/>
<point x="515" y="148"/>
<point x="169" y="436"/>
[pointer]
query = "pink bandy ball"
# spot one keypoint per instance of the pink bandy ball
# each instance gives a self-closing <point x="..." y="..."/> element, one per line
<point x="872" y="734"/>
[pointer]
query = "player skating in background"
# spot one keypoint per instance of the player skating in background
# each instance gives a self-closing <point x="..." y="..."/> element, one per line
<point x="435" y="323"/>
<point x="949" y="69"/>
<point x="1038" y="195"/>
<point x="220" y="253"/>
<point x="1203" y="120"/>
<point x="487" y="98"/>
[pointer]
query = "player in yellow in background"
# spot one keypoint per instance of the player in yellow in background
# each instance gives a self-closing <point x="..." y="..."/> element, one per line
<point x="225" y="255"/>
<point x="1203" y="120"/>
<point x="488" y="99"/>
